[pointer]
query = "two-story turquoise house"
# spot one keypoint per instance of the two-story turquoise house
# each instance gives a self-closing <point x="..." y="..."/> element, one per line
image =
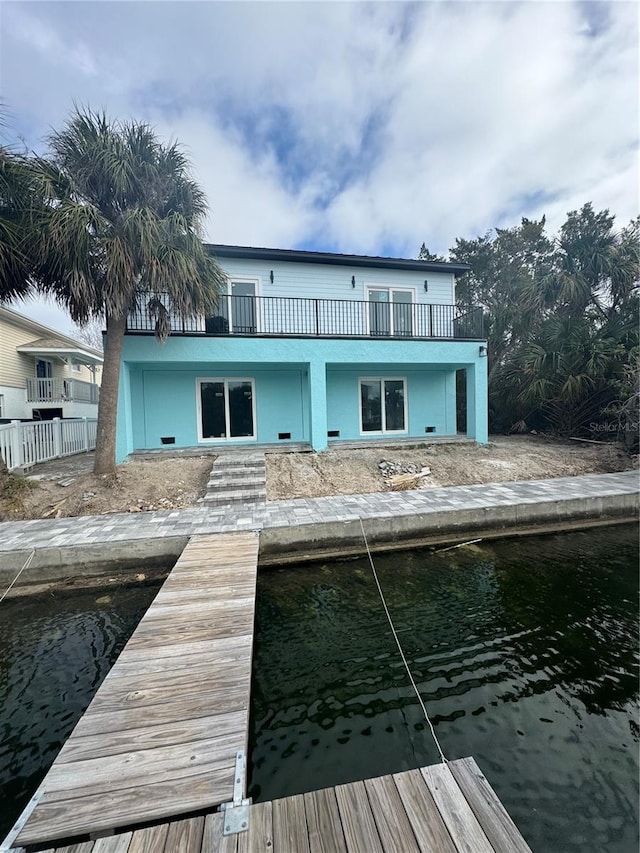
<point x="308" y="347"/>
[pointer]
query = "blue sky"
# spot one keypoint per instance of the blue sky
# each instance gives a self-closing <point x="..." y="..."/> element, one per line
<point x="350" y="127"/>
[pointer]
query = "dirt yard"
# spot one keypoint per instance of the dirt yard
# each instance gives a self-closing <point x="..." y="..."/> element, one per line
<point x="345" y="472"/>
<point x="67" y="487"/>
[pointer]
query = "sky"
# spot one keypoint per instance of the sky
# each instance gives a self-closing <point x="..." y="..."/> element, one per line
<point x="356" y="127"/>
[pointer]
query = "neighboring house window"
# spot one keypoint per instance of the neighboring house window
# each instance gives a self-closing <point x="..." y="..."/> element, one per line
<point x="383" y="405"/>
<point x="391" y="311"/>
<point x="237" y="311"/>
<point x="44" y="369"/>
<point x="226" y="409"/>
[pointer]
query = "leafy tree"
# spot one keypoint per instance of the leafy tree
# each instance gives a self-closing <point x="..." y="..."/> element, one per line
<point x="562" y="319"/>
<point x="22" y="191"/>
<point x="426" y="255"/>
<point x="125" y="220"/>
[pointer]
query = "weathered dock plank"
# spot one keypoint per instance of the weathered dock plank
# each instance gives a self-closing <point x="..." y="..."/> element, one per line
<point x="431" y="833"/>
<point x="160" y="737"/>
<point x="458" y="816"/>
<point x="422" y="810"/>
<point x="323" y="822"/>
<point x="392" y="822"/>
<point x="290" y="825"/>
<point x="501" y="831"/>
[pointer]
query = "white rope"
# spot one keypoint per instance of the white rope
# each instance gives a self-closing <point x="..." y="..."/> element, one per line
<point x="402" y="655"/>
<point x="26" y="565"/>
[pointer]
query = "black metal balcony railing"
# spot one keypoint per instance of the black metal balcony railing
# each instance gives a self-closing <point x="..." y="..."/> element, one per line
<point x="278" y="316"/>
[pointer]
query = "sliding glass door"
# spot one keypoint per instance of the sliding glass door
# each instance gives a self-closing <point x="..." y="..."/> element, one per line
<point x="390" y="312"/>
<point x="236" y="311"/>
<point x="383" y="406"/>
<point x="226" y="409"/>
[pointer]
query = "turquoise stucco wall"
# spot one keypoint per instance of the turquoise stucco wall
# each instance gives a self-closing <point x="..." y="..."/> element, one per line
<point x="168" y="403"/>
<point x="429" y="400"/>
<point x="304" y="386"/>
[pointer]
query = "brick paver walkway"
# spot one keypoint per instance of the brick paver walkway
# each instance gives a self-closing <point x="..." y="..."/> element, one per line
<point x="40" y="533"/>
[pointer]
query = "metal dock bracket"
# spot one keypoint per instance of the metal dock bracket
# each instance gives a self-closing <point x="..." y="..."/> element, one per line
<point x="236" y="813"/>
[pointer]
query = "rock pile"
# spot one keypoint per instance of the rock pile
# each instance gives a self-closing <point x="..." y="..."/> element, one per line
<point x="392" y="469"/>
<point x="403" y="475"/>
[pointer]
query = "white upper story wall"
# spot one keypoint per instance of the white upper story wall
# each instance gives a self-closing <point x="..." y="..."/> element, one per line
<point x="314" y="280"/>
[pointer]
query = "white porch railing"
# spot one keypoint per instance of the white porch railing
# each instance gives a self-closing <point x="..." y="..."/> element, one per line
<point x="24" y="443"/>
<point x="72" y="390"/>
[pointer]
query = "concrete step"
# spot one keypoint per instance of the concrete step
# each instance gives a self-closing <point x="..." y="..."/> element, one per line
<point x="236" y="480"/>
<point x="240" y="462"/>
<point x="237" y="473"/>
<point x="234" y="496"/>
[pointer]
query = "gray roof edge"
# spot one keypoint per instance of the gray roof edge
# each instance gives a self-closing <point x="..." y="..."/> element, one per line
<point x="308" y="257"/>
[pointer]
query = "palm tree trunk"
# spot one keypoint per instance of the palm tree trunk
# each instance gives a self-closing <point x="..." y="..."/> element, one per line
<point x="105" y="460"/>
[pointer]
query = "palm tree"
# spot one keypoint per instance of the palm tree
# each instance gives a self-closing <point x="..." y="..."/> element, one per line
<point x="22" y="189"/>
<point x="125" y="220"/>
<point x="21" y="209"/>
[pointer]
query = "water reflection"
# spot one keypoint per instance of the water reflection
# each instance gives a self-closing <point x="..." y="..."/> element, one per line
<point x="55" y="651"/>
<point x="525" y="652"/>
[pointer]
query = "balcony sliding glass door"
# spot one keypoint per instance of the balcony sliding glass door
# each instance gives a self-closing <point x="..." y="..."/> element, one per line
<point x="390" y="312"/>
<point x="236" y="310"/>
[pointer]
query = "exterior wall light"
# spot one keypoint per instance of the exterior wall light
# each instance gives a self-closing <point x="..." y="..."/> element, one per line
<point x="353" y="281"/>
<point x="426" y="286"/>
<point x="271" y="276"/>
<point x="483" y="351"/>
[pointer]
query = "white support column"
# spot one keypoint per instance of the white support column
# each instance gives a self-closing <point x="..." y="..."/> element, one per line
<point x="85" y="434"/>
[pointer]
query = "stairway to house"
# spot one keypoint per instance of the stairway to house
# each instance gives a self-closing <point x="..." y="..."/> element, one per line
<point x="236" y="478"/>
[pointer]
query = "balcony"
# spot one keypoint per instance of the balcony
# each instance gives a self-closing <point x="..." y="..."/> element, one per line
<point x="278" y="316"/>
<point x="61" y="391"/>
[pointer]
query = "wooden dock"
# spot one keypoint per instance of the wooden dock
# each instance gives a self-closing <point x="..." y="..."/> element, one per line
<point x="153" y="758"/>
<point x="160" y="737"/>
<point x="439" y="809"/>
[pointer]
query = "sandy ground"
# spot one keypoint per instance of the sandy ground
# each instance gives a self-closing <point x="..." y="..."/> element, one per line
<point x="345" y="472"/>
<point x="67" y="487"/>
<point x="139" y="485"/>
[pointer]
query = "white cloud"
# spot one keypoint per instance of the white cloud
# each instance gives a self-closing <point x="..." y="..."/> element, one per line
<point x="364" y="127"/>
<point x="247" y="202"/>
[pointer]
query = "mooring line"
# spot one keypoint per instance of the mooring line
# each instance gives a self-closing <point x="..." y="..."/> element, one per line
<point x="26" y="565"/>
<point x="402" y="654"/>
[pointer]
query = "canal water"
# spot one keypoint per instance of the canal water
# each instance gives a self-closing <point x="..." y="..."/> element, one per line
<point x="525" y="651"/>
<point x="55" y="651"/>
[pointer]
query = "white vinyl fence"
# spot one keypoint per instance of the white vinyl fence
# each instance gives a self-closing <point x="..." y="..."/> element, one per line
<point x="24" y="443"/>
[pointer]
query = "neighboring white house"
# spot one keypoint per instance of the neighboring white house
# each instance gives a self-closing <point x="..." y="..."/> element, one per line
<point x="43" y="373"/>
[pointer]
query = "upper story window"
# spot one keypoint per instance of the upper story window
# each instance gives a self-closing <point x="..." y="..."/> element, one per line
<point x="76" y="368"/>
<point x="391" y="310"/>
